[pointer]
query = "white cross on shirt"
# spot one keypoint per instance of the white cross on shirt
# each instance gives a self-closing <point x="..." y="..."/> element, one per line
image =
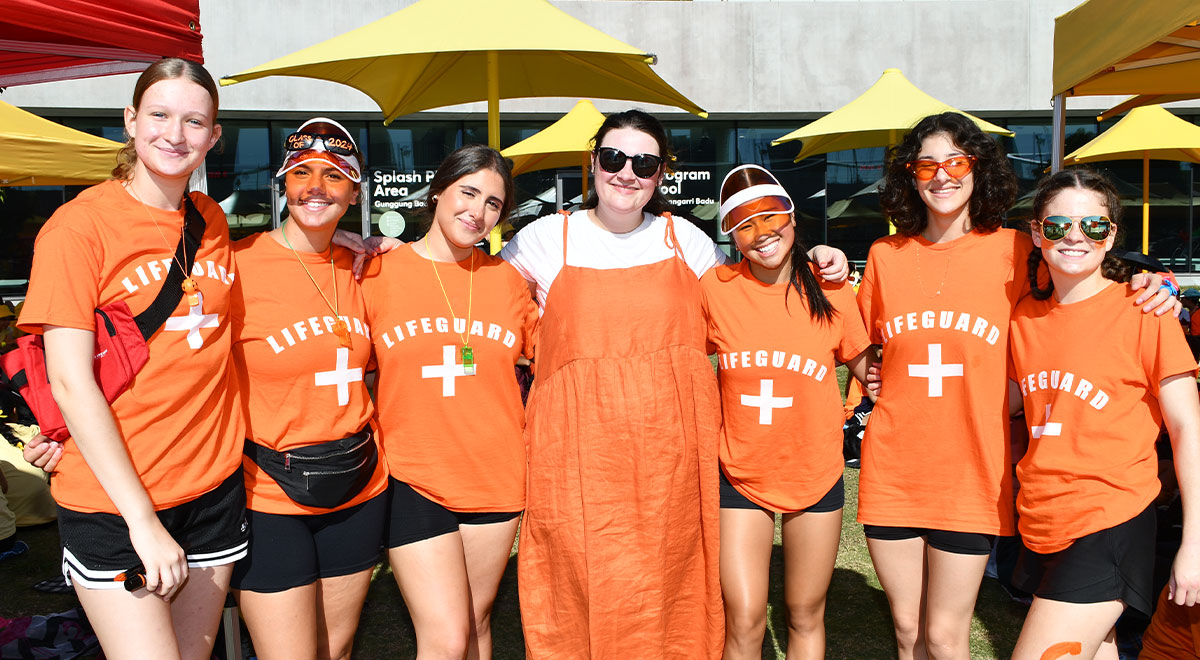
<point x="195" y="319"/>
<point x="935" y="371"/>
<point x="766" y="401"/>
<point x="341" y="376"/>
<point x="1047" y="427"/>
<point x="448" y="370"/>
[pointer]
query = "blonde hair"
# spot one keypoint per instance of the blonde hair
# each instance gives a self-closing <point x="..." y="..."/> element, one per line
<point x="167" y="68"/>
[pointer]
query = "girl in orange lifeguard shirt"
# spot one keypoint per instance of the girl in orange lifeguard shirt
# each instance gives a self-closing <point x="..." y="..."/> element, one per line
<point x="449" y="322"/>
<point x="302" y="346"/>
<point x="151" y="481"/>
<point x="1090" y="476"/>
<point x="778" y="332"/>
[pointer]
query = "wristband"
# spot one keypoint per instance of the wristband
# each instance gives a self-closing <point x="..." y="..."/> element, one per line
<point x="1169" y="284"/>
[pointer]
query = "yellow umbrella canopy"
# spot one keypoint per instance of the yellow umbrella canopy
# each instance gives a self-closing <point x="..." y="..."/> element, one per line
<point x="877" y="118"/>
<point x="1107" y="47"/>
<point x="461" y="51"/>
<point x="565" y="143"/>
<point x="1148" y="132"/>
<point x="39" y="152"/>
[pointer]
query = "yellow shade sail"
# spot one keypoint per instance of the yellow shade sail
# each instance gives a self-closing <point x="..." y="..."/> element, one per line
<point x="1105" y="47"/>
<point x="442" y="58"/>
<point x="878" y="118"/>
<point x="38" y="152"/>
<point x="1149" y="132"/>
<point x="565" y="143"/>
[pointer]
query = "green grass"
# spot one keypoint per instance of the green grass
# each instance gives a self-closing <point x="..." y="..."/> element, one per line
<point x="858" y="625"/>
<point x="857" y="622"/>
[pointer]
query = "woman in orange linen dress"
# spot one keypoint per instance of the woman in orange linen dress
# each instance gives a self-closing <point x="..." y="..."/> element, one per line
<point x="618" y="553"/>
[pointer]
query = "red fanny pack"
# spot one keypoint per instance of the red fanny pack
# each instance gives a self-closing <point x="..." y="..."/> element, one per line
<point x="121" y="349"/>
<point x="121" y="352"/>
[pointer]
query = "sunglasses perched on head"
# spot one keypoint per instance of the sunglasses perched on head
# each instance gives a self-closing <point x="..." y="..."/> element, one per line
<point x="956" y="167"/>
<point x="1095" y="227"/>
<point x="332" y="143"/>
<point x="612" y="160"/>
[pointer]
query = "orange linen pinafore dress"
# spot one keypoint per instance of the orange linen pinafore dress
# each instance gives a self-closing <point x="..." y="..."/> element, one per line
<point x="618" y="555"/>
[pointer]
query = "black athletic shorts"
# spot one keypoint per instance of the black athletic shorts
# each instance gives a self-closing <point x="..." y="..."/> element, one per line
<point x="959" y="543"/>
<point x="415" y="517"/>
<point x="211" y="529"/>
<point x="831" y="501"/>
<point x="289" y="551"/>
<point x="1112" y="564"/>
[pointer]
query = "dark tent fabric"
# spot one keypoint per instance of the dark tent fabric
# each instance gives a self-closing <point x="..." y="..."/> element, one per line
<point x="45" y="40"/>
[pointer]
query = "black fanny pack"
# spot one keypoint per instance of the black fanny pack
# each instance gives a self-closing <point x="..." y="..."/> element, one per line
<point x="326" y="475"/>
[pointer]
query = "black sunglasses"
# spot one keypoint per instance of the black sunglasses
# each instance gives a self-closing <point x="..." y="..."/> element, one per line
<point x="332" y="143"/>
<point x="612" y="160"/>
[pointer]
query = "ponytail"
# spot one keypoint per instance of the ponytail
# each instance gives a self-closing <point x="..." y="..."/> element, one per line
<point x="806" y="284"/>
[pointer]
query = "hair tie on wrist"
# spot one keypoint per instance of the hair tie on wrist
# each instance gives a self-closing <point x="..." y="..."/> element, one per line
<point x="1170" y="286"/>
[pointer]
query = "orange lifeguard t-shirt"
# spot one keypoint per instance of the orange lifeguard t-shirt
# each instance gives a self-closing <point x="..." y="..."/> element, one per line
<point x="936" y="452"/>
<point x="781" y="440"/>
<point x="457" y="439"/>
<point x="1089" y="374"/>
<point x="180" y="418"/>
<point x="301" y="386"/>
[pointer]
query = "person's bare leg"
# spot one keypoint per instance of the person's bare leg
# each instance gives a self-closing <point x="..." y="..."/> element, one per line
<point x="339" y="602"/>
<point x="810" y="545"/>
<point x="432" y="576"/>
<point x="953" y="587"/>
<point x="486" y="549"/>
<point x="900" y="566"/>
<point x="196" y="611"/>
<point x="746" y="539"/>
<point x="130" y="626"/>
<point x="1054" y="629"/>
<point x="282" y="624"/>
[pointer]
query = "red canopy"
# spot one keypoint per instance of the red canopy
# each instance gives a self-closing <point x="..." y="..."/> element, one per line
<point x="42" y="41"/>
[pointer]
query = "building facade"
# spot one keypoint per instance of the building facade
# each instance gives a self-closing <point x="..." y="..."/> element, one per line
<point x="760" y="68"/>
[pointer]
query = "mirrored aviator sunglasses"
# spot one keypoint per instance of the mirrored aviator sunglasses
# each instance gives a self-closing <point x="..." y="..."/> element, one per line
<point x="332" y="143"/>
<point x="612" y="160"/>
<point x="956" y="167"/>
<point x="1094" y="227"/>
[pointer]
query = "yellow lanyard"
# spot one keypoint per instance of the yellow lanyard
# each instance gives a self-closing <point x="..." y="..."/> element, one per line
<point x="466" y="352"/>
<point x="339" y="328"/>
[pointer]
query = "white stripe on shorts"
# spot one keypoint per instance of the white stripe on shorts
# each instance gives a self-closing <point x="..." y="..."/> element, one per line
<point x="220" y="557"/>
<point x="76" y="572"/>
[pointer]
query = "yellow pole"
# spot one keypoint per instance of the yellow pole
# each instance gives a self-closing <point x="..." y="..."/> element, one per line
<point x="1145" y="202"/>
<point x="493" y="99"/>
<point x="493" y="126"/>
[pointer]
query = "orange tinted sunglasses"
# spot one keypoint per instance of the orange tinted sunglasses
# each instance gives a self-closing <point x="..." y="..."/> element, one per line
<point x="956" y="167"/>
<point x="767" y="222"/>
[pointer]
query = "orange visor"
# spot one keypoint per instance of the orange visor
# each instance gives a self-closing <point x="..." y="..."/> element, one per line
<point x="749" y="191"/>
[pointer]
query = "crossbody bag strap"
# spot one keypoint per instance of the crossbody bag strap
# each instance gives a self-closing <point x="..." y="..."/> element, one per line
<point x="168" y="297"/>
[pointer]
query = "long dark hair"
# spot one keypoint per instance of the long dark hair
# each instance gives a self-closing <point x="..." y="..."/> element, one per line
<point x="639" y="121"/>
<point x="806" y="283"/>
<point x="1081" y="178"/>
<point x="167" y="68"/>
<point x="995" y="187"/>
<point x="466" y="160"/>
